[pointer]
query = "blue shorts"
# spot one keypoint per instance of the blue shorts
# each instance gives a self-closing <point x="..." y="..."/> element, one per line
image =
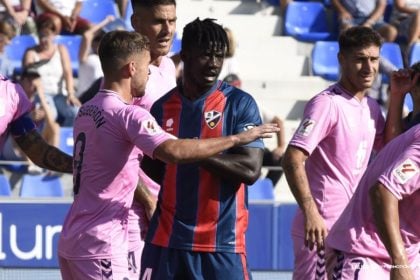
<point x="167" y="263"/>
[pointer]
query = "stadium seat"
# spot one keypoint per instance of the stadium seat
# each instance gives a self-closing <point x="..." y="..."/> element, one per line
<point x="307" y="21"/>
<point x="392" y="52"/>
<point x="285" y="255"/>
<point x="16" y="49"/>
<point x="72" y="42"/>
<point x="97" y="10"/>
<point x="5" y="189"/>
<point x="41" y="186"/>
<point x="262" y="189"/>
<point x="127" y="17"/>
<point x="324" y="60"/>
<point x="176" y="45"/>
<point x="66" y="140"/>
<point x="414" y="55"/>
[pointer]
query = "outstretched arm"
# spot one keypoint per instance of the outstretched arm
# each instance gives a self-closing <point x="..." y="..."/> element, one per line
<point x="242" y="164"/>
<point x="386" y="217"/>
<point x="189" y="150"/>
<point x="44" y="155"/>
<point x="293" y="167"/>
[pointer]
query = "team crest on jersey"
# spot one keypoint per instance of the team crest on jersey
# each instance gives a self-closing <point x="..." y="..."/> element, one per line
<point x="406" y="171"/>
<point x="150" y="126"/>
<point x="212" y="118"/>
<point x="2" y="107"/>
<point x="306" y="127"/>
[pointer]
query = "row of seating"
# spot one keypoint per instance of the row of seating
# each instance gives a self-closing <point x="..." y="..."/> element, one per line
<point x="324" y="59"/>
<point x="34" y="186"/>
<point x="311" y="21"/>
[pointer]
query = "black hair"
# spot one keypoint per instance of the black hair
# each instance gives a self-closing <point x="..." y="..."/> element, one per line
<point x="204" y="33"/>
<point x="151" y="3"/>
<point x="358" y="37"/>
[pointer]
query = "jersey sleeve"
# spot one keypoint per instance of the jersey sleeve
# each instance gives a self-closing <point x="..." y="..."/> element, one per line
<point x="144" y="131"/>
<point x="402" y="178"/>
<point x="248" y="116"/>
<point x="19" y="100"/>
<point x="318" y="118"/>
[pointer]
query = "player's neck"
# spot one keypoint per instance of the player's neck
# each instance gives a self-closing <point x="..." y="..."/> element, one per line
<point x="121" y="88"/>
<point x="193" y="91"/>
<point x="156" y="60"/>
<point x="354" y="91"/>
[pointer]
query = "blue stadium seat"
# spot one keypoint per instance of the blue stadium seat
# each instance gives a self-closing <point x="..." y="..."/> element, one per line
<point x="392" y="52"/>
<point x="127" y="17"/>
<point x="66" y="140"/>
<point x="16" y="49"/>
<point x="176" y="45"/>
<point x="97" y="10"/>
<point x="5" y="189"/>
<point x="262" y="189"/>
<point x="414" y="55"/>
<point x="285" y="255"/>
<point x="72" y="42"/>
<point x="41" y="186"/>
<point x="325" y="61"/>
<point x="307" y="21"/>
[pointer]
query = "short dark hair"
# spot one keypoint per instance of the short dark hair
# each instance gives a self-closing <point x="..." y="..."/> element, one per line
<point x="150" y="3"/>
<point x="357" y="37"/>
<point x="118" y="45"/>
<point x="202" y="33"/>
<point x="416" y="69"/>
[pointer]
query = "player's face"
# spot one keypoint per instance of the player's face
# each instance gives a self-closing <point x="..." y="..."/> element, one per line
<point x="158" y="24"/>
<point x="141" y="75"/>
<point x="202" y="66"/>
<point x="360" y="67"/>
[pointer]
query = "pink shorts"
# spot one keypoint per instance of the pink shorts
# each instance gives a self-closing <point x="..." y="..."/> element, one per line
<point x="309" y="265"/>
<point x="95" y="269"/>
<point x="134" y="261"/>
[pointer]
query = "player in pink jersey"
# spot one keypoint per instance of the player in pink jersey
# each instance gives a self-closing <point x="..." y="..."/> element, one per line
<point x="157" y="21"/>
<point x="15" y="119"/>
<point x="330" y="150"/>
<point x="94" y="241"/>
<point x="378" y="234"/>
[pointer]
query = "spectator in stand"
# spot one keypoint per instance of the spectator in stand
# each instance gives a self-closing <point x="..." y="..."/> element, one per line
<point x="406" y="18"/>
<point x="47" y="127"/>
<point x="6" y="34"/>
<point x="54" y="66"/>
<point x="89" y="63"/>
<point x="367" y="13"/>
<point x="64" y="13"/>
<point x="19" y="14"/>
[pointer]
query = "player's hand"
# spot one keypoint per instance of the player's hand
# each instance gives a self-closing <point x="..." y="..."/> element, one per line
<point x="262" y="131"/>
<point x="402" y="81"/>
<point x="315" y="231"/>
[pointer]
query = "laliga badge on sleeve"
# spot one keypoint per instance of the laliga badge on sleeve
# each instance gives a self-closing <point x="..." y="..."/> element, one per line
<point x="151" y="127"/>
<point x="405" y="171"/>
<point x="306" y="127"/>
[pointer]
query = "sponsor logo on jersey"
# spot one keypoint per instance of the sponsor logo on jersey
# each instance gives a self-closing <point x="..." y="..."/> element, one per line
<point x="168" y="125"/>
<point x="306" y="127"/>
<point x="405" y="171"/>
<point x="151" y="127"/>
<point x="212" y="118"/>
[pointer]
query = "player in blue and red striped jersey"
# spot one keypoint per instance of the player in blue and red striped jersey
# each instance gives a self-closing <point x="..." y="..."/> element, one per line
<point x="198" y="229"/>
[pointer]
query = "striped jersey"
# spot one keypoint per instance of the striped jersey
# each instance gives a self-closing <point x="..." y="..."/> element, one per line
<point x="199" y="211"/>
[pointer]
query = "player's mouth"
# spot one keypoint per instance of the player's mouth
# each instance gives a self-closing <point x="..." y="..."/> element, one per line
<point x="164" y="42"/>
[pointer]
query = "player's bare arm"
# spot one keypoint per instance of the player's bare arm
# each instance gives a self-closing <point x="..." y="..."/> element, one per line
<point x="293" y="166"/>
<point x="386" y="217"/>
<point x="189" y="150"/>
<point x="242" y="164"/>
<point x="144" y="197"/>
<point x="44" y="155"/>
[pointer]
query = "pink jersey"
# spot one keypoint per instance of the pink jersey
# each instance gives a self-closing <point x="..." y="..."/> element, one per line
<point x="162" y="79"/>
<point x="397" y="168"/>
<point x="338" y="131"/>
<point x="106" y="168"/>
<point x="13" y="104"/>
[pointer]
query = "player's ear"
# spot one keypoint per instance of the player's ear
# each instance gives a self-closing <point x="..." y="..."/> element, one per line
<point x="130" y="68"/>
